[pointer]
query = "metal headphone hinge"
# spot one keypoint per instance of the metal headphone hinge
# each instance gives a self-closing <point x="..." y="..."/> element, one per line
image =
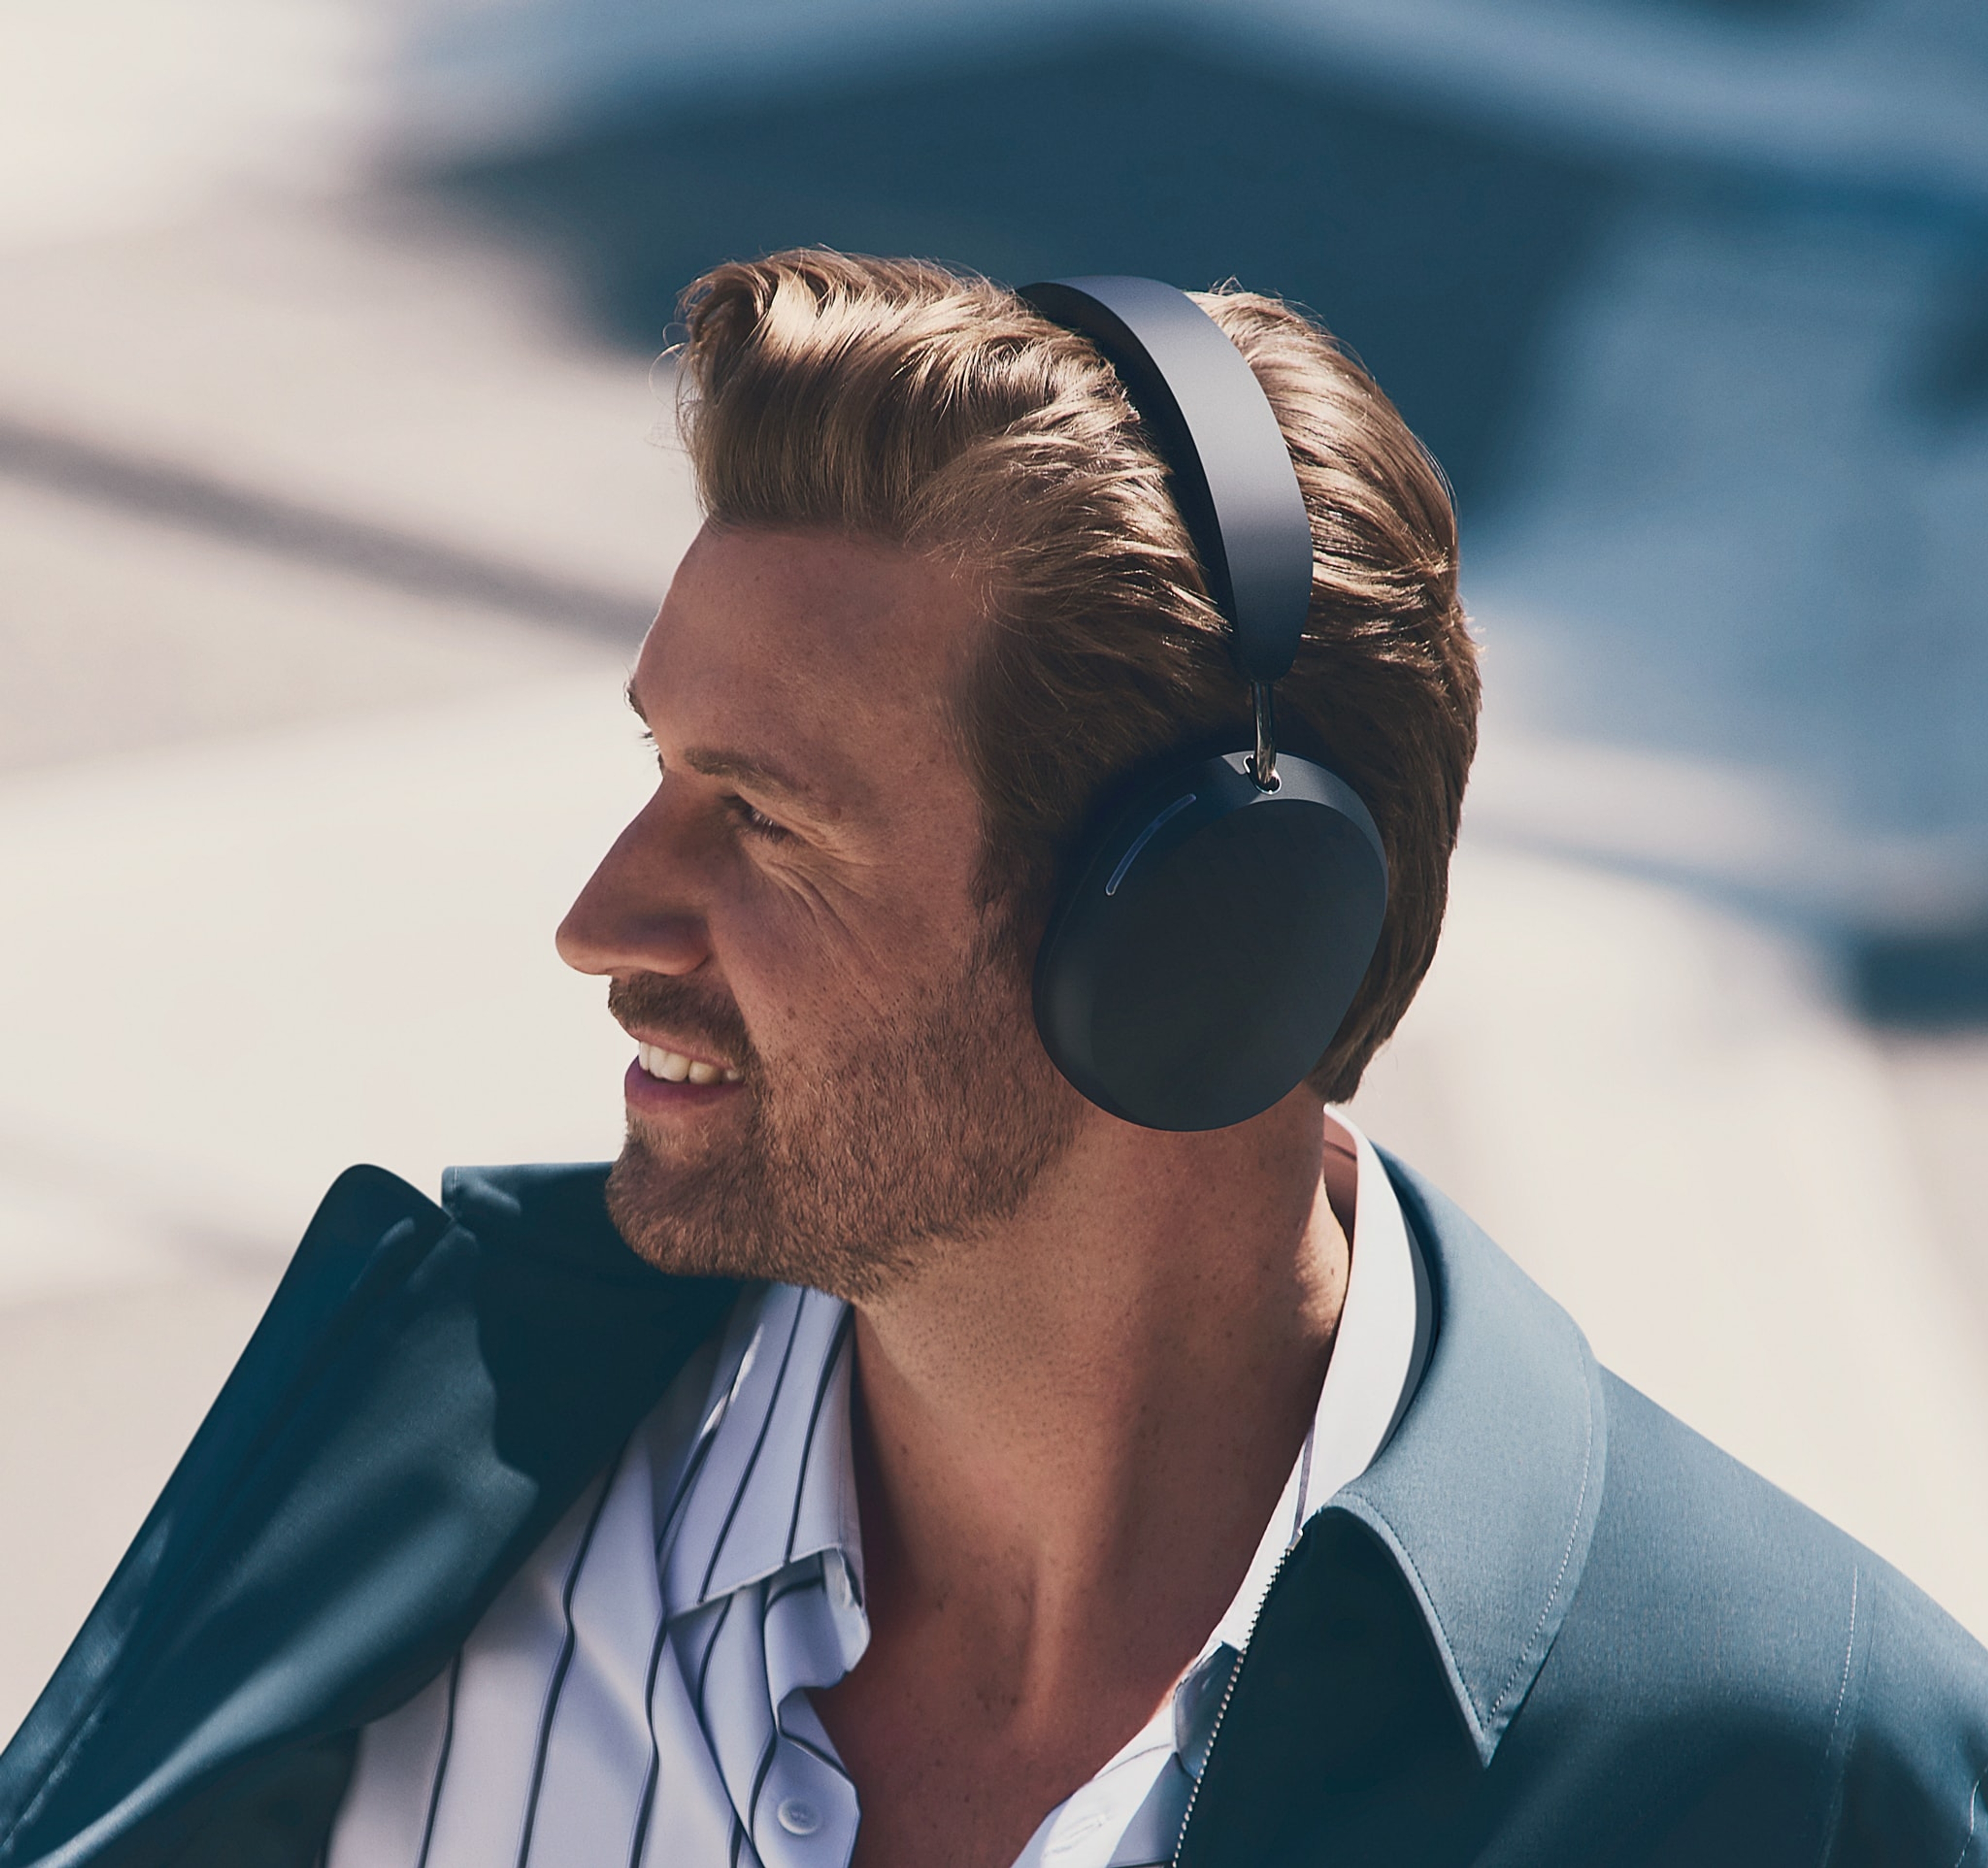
<point x="1263" y="766"/>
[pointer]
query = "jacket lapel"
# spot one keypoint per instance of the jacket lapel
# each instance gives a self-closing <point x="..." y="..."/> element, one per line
<point x="430" y="1390"/>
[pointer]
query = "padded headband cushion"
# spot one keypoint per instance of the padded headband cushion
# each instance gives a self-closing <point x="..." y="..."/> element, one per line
<point x="1232" y="473"/>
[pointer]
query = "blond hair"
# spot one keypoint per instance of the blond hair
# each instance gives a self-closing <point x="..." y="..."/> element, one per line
<point x="932" y="409"/>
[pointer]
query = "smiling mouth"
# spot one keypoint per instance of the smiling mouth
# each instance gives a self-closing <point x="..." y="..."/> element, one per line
<point x="674" y="1067"/>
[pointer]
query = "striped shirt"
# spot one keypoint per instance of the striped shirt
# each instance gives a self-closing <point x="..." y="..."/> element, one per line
<point x="638" y="1695"/>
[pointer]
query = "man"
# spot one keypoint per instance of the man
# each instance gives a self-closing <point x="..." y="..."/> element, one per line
<point x="953" y="1471"/>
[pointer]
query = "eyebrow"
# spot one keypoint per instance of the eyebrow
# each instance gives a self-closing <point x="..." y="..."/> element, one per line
<point x="744" y="769"/>
<point x="761" y="775"/>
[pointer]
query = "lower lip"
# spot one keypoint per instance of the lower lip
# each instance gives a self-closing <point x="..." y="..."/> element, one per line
<point x="653" y="1096"/>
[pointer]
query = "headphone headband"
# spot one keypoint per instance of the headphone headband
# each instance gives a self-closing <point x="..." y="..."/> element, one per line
<point x="1231" y="470"/>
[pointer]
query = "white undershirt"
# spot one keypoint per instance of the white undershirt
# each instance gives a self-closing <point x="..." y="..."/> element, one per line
<point x="638" y="1695"/>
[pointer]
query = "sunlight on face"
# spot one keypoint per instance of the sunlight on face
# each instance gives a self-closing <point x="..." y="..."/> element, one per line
<point x="793" y="917"/>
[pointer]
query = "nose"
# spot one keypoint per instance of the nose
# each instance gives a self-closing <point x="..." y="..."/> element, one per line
<point x="636" y="913"/>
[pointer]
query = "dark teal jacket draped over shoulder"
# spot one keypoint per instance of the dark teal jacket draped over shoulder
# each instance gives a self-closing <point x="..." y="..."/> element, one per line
<point x="1549" y="1626"/>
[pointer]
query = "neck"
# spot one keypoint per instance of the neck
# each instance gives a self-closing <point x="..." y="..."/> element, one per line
<point x="1073" y="1430"/>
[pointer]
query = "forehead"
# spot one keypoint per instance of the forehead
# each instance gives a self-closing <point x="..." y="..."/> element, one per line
<point x="817" y="645"/>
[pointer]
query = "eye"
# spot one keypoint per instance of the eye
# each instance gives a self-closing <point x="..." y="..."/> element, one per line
<point x="748" y="817"/>
<point x="754" y="822"/>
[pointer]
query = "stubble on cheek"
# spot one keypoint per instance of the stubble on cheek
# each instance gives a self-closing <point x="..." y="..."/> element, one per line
<point x="847" y="1175"/>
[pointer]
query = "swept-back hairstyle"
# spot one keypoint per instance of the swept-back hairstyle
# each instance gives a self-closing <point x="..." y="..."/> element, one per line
<point x="933" y="410"/>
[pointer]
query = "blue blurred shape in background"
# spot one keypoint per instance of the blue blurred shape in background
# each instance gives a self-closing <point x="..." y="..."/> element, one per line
<point x="1690" y="297"/>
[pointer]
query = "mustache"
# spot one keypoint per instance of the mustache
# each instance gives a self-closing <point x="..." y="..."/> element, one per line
<point x="658" y="999"/>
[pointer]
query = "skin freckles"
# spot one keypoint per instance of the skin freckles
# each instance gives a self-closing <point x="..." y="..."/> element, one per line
<point x="1086" y="1353"/>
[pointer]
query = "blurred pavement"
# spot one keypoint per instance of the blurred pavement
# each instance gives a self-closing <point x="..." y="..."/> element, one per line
<point x="326" y="546"/>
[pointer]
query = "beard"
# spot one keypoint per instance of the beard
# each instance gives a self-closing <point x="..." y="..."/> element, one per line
<point x="850" y="1173"/>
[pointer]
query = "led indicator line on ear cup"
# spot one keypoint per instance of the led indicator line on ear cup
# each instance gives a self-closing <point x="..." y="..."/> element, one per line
<point x="1145" y="837"/>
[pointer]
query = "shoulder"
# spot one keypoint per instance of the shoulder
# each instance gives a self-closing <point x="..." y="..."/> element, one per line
<point x="1706" y="1574"/>
<point x="1654" y="1620"/>
<point x="1722" y="1628"/>
<point x="1737" y="1642"/>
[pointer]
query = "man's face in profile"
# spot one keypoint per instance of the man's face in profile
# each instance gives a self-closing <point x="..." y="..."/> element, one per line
<point x="792" y="918"/>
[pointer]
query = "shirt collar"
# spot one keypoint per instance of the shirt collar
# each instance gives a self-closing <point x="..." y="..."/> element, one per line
<point x="1377" y="1358"/>
<point x="1377" y="1355"/>
<point x="770" y="1478"/>
<point x="1486" y="1497"/>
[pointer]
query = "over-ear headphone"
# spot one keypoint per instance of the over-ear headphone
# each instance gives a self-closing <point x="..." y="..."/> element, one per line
<point x="1210" y="933"/>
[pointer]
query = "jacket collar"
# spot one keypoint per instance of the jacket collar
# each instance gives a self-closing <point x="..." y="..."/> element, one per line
<point x="1486" y="1497"/>
<point x="430" y="1390"/>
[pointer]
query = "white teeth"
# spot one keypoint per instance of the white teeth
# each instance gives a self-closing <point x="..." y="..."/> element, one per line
<point x="674" y="1067"/>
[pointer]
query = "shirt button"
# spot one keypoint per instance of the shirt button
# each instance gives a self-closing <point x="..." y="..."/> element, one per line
<point x="799" y="1817"/>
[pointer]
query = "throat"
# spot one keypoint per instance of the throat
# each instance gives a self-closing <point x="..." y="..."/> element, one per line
<point x="1068" y="1450"/>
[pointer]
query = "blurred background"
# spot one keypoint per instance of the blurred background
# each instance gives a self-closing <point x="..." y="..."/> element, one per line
<point x="337" y="487"/>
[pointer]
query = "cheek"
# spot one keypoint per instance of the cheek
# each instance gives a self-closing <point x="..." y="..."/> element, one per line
<point x="812" y="969"/>
<point x="807" y="973"/>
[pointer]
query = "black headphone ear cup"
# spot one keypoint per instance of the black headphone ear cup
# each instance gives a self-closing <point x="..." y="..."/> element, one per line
<point x="1206" y="950"/>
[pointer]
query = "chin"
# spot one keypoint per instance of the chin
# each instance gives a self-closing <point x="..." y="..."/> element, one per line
<point x="723" y="1220"/>
<point x="865" y="1172"/>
